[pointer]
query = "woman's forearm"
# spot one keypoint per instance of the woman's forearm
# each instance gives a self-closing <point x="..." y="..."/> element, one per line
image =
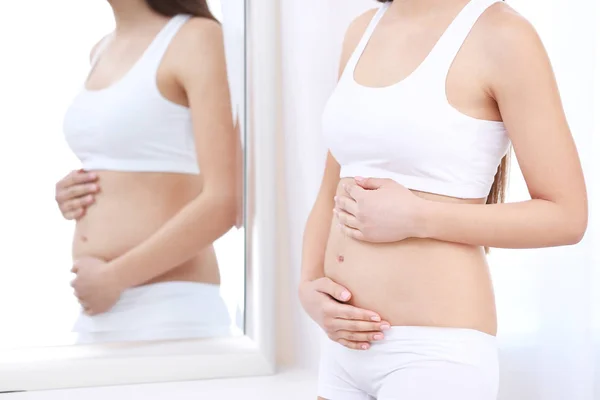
<point x="528" y="224"/>
<point x="195" y="227"/>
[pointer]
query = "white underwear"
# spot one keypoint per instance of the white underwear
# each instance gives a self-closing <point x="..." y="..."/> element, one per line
<point x="159" y="311"/>
<point x="413" y="363"/>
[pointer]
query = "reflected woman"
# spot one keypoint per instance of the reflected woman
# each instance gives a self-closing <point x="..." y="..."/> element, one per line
<point x="153" y="129"/>
<point x="431" y="95"/>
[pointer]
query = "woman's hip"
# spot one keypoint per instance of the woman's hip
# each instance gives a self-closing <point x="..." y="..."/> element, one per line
<point x="164" y="310"/>
<point x="413" y="362"/>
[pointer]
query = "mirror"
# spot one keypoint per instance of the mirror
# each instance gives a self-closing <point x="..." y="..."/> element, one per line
<point x="155" y="249"/>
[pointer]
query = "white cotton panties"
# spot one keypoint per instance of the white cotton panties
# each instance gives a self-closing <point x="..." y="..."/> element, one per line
<point x="159" y="311"/>
<point x="413" y="363"/>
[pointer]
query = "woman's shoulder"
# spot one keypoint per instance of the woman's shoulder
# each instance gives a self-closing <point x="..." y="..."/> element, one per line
<point x="503" y="26"/>
<point x="199" y="37"/>
<point x="358" y="26"/>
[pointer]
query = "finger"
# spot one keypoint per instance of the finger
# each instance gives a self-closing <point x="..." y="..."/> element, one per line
<point x="354" y="345"/>
<point x="345" y="311"/>
<point x="346" y="204"/>
<point x="76" y="191"/>
<point x="346" y="219"/>
<point x="340" y="324"/>
<point x="352" y="336"/>
<point x="75" y="214"/>
<point x="76" y="203"/>
<point x="369" y="183"/>
<point x="329" y="287"/>
<point x="354" y="191"/>
<point x="80" y="176"/>
<point x="352" y="232"/>
<point x="75" y="178"/>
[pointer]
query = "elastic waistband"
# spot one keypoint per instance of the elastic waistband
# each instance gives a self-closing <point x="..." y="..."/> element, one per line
<point x="415" y="333"/>
<point x="171" y="288"/>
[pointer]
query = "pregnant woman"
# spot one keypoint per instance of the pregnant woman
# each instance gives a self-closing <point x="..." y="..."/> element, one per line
<point x="430" y="96"/>
<point x="153" y="129"/>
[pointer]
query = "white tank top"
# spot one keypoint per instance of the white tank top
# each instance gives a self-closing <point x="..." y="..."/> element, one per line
<point x="408" y="131"/>
<point x="130" y="126"/>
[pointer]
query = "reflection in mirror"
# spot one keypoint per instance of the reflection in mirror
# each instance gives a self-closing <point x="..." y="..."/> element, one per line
<point x="140" y="142"/>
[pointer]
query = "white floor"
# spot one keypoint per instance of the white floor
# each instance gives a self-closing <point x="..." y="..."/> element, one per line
<point x="293" y="385"/>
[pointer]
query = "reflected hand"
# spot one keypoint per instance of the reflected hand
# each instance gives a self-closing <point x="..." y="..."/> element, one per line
<point x="75" y="192"/>
<point x="95" y="285"/>
<point x="353" y="327"/>
<point x="379" y="210"/>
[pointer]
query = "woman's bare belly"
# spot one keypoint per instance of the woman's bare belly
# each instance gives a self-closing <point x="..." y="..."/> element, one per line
<point x="415" y="282"/>
<point x="129" y="208"/>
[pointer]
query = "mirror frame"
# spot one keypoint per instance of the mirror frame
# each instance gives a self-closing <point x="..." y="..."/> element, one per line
<point x="253" y="353"/>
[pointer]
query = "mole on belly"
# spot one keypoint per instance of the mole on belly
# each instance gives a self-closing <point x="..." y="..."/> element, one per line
<point x="340" y="258"/>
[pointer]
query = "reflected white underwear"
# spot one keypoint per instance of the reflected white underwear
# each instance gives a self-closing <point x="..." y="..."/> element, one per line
<point x="413" y="363"/>
<point x="159" y="311"/>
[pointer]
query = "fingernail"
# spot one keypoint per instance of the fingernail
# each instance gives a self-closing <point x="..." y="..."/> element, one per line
<point x="375" y="318"/>
<point x="345" y="295"/>
<point x="364" y="346"/>
<point x="378" y="336"/>
<point x="92" y="175"/>
<point x="385" y="327"/>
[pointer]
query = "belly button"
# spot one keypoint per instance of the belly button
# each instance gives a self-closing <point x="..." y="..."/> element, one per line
<point x="84" y="238"/>
<point x="340" y="258"/>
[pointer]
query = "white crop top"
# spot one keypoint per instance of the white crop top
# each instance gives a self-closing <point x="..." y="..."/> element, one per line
<point x="130" y="126"/>
<point x="408" y="131"/>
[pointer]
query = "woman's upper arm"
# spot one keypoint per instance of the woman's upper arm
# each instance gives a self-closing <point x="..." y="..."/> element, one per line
<point x="524" y="86"/>
<point x="202" y="72"/>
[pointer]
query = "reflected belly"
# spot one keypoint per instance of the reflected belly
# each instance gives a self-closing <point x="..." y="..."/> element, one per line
<point x="419" y="282"/>
<point x="129" y="208"/>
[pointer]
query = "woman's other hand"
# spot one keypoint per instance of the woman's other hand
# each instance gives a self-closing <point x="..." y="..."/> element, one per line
<point x="75" y="192"/>
<point x="324" y="301"/>
<point x="379" y="210"/>
<point x="95" y="285"/>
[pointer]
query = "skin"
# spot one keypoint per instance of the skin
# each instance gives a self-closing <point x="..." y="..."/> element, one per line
<point x="125" y="237"/>
<point x="424" y="251"/>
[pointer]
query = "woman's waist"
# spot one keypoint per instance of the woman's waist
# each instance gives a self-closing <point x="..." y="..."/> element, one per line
<point x="411" y="270"/>
<point x="128" y="209"/>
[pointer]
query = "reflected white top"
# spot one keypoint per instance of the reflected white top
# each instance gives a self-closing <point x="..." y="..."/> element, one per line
<point x="130" y="126"/>
<point x="408" y="131"/>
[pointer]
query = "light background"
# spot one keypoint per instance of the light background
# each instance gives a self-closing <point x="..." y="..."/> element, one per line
<point x="45" y="59"/>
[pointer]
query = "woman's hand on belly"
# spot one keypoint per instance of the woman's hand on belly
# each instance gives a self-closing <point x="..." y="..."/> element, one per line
<point x="75" y="192"/>
<point x="323" y="300"/>
<point x="95" y="285"/>
<point x="378" y="210"/>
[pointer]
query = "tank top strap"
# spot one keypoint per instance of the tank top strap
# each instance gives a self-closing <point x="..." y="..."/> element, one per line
<point x="163" y="39"/>
<point x="360" y="48"/>
<point x="444" y="52"/>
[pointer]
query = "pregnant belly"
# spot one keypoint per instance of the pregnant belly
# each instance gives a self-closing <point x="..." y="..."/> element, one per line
<point x="129" y="209"/>
<point x="419" y="282"/>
